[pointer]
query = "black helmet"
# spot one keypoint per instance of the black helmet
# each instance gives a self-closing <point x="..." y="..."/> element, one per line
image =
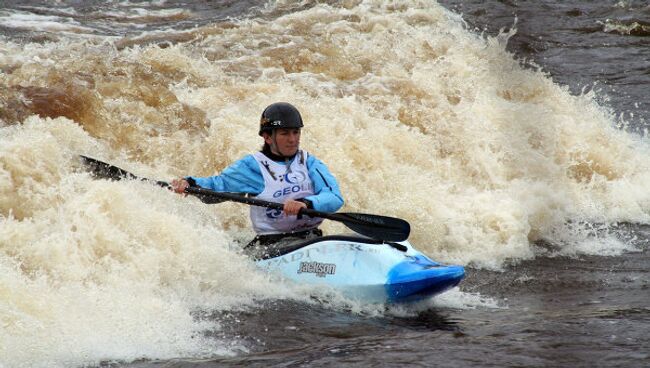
<point x="280" y="115"/>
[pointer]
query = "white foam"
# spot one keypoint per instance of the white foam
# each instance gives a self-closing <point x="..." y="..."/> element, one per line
<point x="454" y="299"/>
<point x="417" y="118"/>
<point x="30" y="21"/>
<point x="139" y="13"/>
<point x="108" y="270"/>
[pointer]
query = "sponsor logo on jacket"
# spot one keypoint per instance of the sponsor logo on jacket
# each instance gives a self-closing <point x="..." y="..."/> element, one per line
<point x="296" y="183"/>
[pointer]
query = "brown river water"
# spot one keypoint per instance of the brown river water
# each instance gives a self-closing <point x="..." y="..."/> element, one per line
<point x="511" y="135"/>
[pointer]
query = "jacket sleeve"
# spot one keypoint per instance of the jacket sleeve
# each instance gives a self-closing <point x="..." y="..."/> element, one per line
<point x="327" y="195"/>
<point x="243" y="176"/>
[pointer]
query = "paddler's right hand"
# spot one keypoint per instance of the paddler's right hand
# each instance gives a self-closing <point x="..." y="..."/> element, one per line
<point x="179" y="185"/>
<point x="292" y="207"/>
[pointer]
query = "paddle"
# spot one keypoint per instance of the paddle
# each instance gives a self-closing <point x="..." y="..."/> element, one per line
<point x="385" y="228"/>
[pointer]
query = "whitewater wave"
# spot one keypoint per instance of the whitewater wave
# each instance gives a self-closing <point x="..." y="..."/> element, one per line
<point x="417" y="117"/>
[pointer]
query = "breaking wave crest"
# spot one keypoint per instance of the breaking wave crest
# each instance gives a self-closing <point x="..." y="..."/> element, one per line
<point x="417" y="117"/>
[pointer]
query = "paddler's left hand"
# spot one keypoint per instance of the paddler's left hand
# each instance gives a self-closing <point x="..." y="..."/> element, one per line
<point x="292" y="207"/>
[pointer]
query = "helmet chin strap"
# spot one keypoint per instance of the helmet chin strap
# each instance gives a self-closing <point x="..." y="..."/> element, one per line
<point x="274" y="144"/>
<point x="274" y="147"/>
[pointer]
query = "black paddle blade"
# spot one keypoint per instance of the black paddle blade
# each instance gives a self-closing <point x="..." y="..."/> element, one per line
<point x="375" y="226"/>
<point x="103" y="170"/>
<point x="106" y="171"/>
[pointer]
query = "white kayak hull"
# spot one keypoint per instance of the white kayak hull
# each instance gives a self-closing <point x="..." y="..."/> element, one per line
<point x="364" y="269"/>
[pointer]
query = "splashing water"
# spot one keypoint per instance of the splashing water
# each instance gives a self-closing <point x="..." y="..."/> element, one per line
<point x="417" y="118"/>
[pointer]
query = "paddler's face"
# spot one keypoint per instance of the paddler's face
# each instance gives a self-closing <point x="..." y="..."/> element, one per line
<point x="284" y="142"/>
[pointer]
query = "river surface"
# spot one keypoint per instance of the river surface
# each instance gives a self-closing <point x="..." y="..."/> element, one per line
<point x="511" y="135"/>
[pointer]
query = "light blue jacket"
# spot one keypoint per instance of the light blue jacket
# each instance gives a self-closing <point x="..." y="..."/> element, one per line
<point x="244" y="176"/>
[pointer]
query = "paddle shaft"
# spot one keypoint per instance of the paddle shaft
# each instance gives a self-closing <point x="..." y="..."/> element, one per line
<point x="374" y="226"/>
<point x="115" y="172"/>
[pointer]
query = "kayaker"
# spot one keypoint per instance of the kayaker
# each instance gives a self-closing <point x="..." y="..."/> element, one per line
<point x="281" y="172"/>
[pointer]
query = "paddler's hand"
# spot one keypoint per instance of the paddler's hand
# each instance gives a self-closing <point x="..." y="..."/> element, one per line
<point x="292" y="207"/>
<point x="179" y="185"/>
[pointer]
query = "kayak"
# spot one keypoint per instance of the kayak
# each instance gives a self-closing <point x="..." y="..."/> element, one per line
<point x="363" y="269"/>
